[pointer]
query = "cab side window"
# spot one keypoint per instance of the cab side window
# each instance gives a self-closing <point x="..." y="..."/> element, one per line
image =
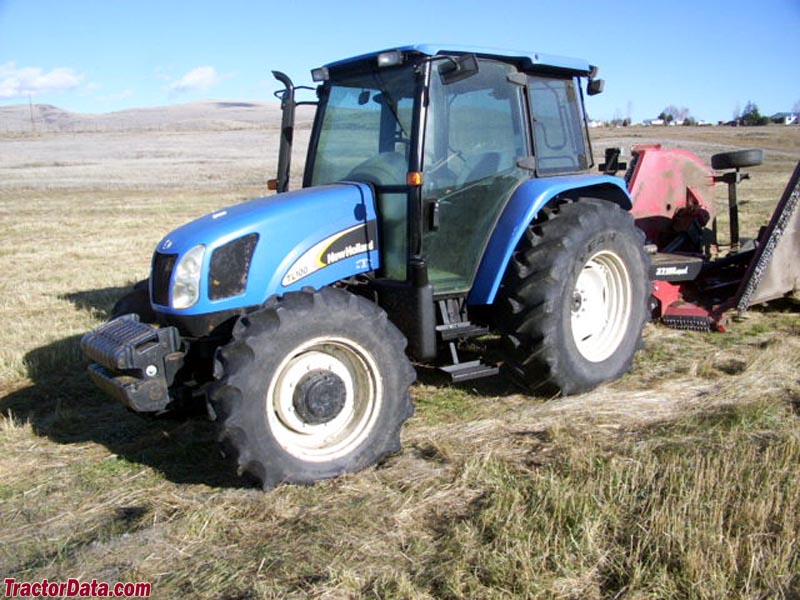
<point x="558" y="126"/>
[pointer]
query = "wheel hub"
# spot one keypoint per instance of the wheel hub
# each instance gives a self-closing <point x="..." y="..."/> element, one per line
<point x="601" y="306"/>
<point x="319" y="397"/>
<point x="324" y="399"/>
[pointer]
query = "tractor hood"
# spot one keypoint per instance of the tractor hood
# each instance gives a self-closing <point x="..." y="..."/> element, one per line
<point x="239" y="256"/>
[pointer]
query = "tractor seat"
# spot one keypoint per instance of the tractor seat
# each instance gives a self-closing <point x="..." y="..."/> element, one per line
<point x="387" y="168"/>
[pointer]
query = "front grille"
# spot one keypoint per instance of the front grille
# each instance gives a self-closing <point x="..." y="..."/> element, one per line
<point x="163" y="264"/>
<point x="230" y="265"/>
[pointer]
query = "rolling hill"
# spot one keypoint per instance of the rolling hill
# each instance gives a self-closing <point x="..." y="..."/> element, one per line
<point x="197" y="116"/>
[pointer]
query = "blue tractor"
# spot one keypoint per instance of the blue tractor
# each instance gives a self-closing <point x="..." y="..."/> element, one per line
<point x="446" y="198"/>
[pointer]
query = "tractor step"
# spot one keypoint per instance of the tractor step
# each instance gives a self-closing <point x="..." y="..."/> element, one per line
<point x="675" y="267"/>
<point x="461" y="329"/>
<point x="455" y="327"/>
<point x="474" y="369"/>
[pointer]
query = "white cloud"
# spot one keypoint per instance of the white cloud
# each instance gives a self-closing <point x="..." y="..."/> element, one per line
<point x="19" y="82"/>
<point x="196" y="80"/>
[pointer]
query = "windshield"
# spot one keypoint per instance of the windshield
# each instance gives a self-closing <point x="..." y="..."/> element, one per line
<point x="365" y="130"/>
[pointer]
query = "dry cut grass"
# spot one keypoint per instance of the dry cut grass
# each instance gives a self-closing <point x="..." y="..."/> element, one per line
<point x="678" y="481"/>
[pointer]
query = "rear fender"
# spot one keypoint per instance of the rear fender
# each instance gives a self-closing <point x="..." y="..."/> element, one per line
<point x="521" y="210"/>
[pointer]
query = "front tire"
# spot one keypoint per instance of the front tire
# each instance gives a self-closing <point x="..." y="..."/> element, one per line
<point x="137" y="302"/>
<point x="574" y="299"/>
<point x="313" y="385"/>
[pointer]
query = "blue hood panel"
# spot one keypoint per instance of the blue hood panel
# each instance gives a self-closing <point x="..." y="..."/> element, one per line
<point x="309" y="237"/>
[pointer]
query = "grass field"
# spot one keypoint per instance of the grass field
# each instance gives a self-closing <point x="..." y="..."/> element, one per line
<point x="678" y="481"/>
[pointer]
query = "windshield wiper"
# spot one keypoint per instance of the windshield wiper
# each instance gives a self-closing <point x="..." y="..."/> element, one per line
<point x="390" y="102"/>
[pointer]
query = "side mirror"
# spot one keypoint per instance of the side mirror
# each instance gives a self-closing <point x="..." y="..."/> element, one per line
<point x="456" y="69"/>
<point x="595" y="86"/>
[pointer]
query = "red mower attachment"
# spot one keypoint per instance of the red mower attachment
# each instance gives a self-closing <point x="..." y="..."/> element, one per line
<point x="694" y="287"/>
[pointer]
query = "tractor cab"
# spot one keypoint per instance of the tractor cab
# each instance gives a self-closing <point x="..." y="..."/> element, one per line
<point x="445" y="138"/>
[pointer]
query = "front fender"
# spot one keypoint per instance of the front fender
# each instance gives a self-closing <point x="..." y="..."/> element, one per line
<point x="521" y="209"/>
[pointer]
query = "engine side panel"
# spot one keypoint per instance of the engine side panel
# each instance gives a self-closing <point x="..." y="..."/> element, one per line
<point x="306" y="238"/>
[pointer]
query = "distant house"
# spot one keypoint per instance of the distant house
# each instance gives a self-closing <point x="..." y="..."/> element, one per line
<point x="654" y="122"/>
<point x="785" y="118"/>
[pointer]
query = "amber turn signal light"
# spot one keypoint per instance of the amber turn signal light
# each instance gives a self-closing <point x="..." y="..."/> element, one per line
<point x="414" y="178"/>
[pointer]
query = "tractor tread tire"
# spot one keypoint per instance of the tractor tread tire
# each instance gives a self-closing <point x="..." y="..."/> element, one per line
<point x="261" y="340"/>
<point x="137" y="301"/>
<point x="532" y="309"/>
<point x="737" y="159"/>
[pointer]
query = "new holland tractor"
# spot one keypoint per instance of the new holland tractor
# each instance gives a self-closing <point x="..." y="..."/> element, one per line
<point x="447" y="198"/>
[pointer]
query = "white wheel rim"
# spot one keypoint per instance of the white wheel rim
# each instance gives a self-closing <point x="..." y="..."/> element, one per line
<point x="601" y="306"/>
<point x="350" y="363"/>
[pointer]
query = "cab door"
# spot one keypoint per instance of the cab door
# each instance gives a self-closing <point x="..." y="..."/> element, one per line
<point x="475" y="133"/>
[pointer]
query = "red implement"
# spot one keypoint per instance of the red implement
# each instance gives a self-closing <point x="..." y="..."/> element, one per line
<point x="673" y="203"/>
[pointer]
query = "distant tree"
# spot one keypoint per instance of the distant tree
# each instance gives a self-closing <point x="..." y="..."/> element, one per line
<point x="617" y="121"/>
<point x="690" y="121"/>
<point x="796" y="108"/>
<point x="681" y="114"/>
<point x="737" y="112"/>
<point x="673" y="113"/>
<point x="752" y="116"/>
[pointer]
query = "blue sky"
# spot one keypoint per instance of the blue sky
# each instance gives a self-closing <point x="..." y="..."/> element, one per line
<point x="87" y="56"/>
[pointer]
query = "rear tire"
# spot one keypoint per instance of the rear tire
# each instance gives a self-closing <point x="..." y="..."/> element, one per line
<point x="574" y="299"/>
<point x="313" y="385"/>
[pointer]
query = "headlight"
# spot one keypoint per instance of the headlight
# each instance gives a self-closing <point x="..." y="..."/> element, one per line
<point x="186" y="283"/>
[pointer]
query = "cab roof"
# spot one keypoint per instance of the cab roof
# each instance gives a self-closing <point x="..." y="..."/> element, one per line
<point x="524" y="60"/>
